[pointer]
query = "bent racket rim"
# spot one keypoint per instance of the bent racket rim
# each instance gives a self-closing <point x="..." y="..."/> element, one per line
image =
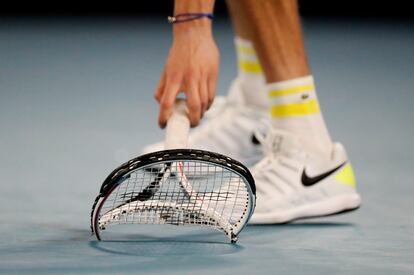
<point x="116" y="177"/>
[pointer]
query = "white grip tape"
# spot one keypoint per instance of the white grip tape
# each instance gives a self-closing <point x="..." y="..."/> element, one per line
<point x="178" y="126"/>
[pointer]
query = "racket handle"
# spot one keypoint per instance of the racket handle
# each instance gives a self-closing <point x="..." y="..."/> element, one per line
<point x="178" y="126"/>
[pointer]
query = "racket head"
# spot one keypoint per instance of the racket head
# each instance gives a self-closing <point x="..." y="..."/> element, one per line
<point x="179" y="187"/>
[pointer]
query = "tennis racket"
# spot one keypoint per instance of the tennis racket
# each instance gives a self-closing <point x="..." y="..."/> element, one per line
<point x="176" y="186"/>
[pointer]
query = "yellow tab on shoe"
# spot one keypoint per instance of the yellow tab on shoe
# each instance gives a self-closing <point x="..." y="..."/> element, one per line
<point x="346" y="176"/>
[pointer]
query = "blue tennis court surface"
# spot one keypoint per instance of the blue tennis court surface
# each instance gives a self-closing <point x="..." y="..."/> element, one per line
<point x="76" y="100"/>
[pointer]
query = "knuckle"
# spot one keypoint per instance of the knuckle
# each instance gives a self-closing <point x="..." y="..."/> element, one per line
<point x="194" y="107"/>
<point x="193" y="73"/>
<point x="166" y="104"/>
<point x="174" y="76"/>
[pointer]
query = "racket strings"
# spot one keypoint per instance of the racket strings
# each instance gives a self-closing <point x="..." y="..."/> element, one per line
<point x="185" y="192"/>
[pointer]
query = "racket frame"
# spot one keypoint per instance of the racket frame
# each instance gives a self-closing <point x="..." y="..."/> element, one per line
<point x="116" y="177"/>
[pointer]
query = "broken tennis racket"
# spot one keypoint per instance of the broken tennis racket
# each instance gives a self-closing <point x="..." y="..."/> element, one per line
<point x="176" y="186"/>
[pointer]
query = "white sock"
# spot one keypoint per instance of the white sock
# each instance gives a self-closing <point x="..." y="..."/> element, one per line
<point x="250" y="75"/>
<point x="295" y="108"/>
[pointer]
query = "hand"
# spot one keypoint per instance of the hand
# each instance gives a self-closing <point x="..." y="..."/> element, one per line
<point x="192" y="68"/>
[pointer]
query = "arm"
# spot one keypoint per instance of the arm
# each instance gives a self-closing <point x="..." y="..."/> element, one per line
<point x="192" y="64"/>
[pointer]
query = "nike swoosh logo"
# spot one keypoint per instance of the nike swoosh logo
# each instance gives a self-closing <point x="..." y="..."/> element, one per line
<point x="254" y="140"/>
<point x="309" y="181"/>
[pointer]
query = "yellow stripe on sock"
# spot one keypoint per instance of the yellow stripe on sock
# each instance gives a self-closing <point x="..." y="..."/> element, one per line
<point x="246" y="50"/>
<point x="346" y="175"/>
<point x="295" y="109"/>
<point x="250" y="67"/>
<point x="291" y="90"/>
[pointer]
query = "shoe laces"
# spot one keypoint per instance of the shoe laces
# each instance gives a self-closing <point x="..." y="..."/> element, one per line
<point x="276" y="142"/>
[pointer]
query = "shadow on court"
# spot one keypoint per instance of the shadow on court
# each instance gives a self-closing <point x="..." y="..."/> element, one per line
<point x="166" y="247"/>
<point x="305" y="225"/>
<point x="183" y="242"/>
<point x="204" y="244"/>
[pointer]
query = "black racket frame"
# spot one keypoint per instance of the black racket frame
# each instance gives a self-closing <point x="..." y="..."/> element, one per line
<point x="117" y="176"/>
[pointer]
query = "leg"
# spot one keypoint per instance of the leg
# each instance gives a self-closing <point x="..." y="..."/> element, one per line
<point x="303" y="174"/>
<point x="250" y="79"/>
<point x="240" y="24"/>
<point x="274" y="27"/>
<point x="277" y="37"/>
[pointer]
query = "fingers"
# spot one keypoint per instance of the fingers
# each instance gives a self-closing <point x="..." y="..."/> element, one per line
<point x="203" y="89"/>
<point x="160" y="89"/>
<point x="169" y="94"/>
<point x="194" y="103"/>
<point x="200" y="96"/>
<point x="212" y="84"/>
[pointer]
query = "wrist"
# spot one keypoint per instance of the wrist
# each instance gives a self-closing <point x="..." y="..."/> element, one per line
<point x="201" y="26"/>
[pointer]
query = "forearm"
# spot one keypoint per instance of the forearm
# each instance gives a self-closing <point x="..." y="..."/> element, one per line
<point x="193" y="6"/>
<point x="192" y="64"/>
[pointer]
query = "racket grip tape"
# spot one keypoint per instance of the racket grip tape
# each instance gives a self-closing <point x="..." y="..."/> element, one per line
<point x="178" y="126"/>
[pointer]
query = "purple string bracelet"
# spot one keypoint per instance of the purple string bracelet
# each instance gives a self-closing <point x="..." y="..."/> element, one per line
<point x="185" y="17"/>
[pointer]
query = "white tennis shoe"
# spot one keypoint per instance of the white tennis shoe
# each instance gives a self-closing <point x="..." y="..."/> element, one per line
<point x="228" y="130"/>
<point x="293" y="184"/>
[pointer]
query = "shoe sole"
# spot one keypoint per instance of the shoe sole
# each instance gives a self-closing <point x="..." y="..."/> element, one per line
<point x="333" y="206"/>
